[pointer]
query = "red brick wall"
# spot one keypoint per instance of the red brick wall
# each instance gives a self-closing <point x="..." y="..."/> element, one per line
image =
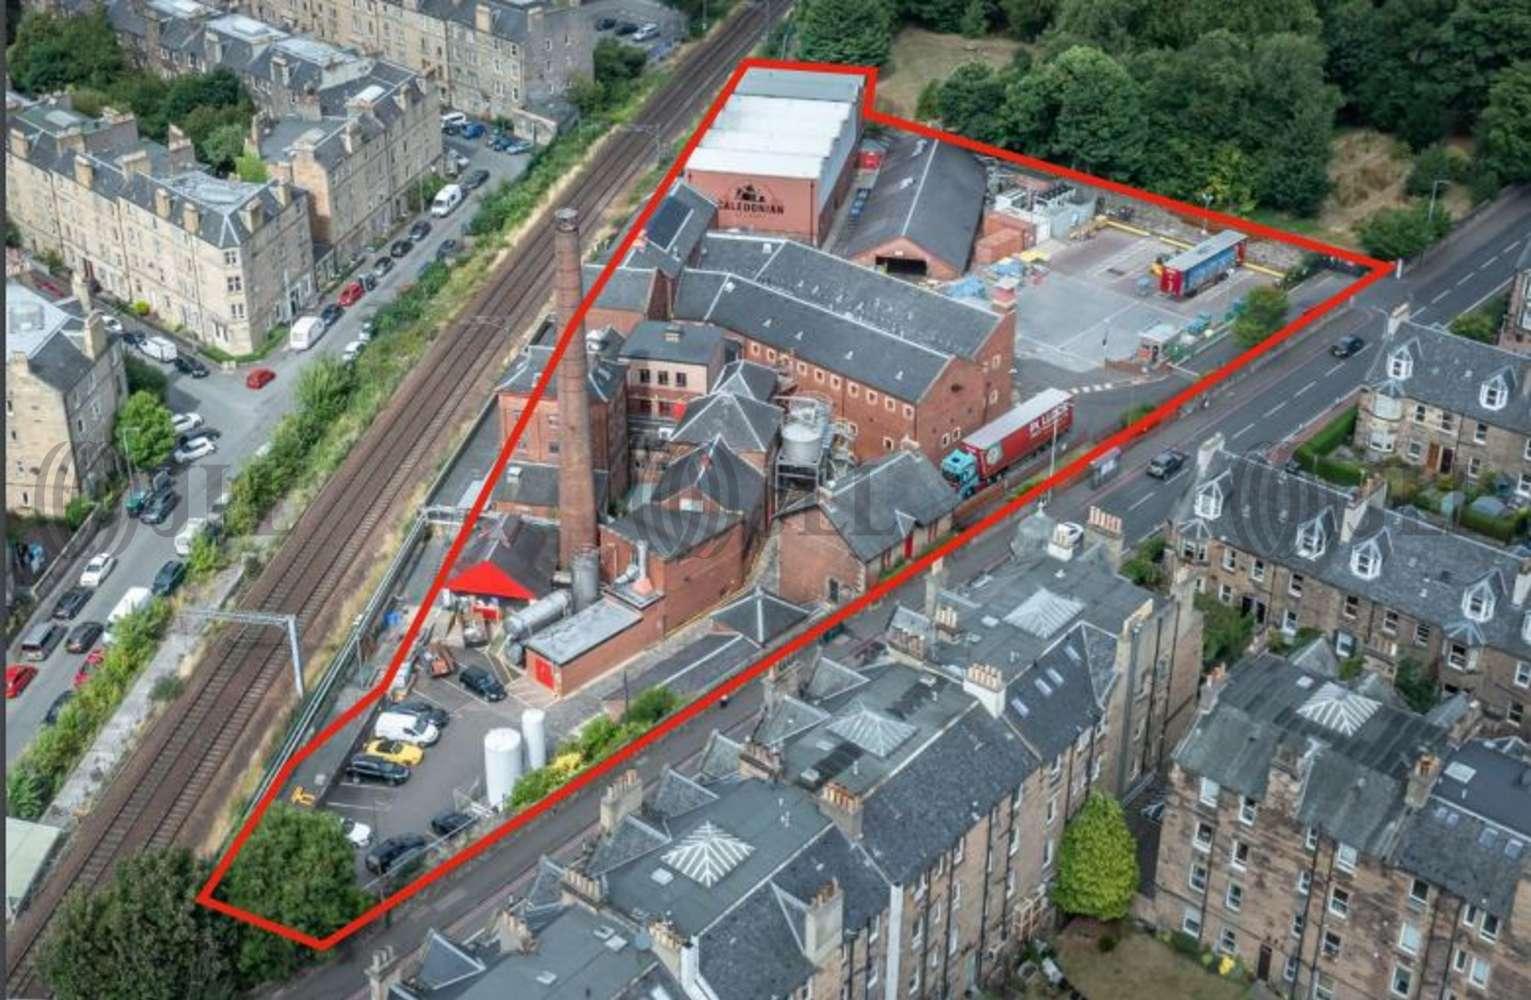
<point x="792" y="201"/>
<point x="812" y="553"/>
<point x="903" y="248"/>
<point x="608" y="426"/>
<point x="692" y="583"/>
<point x="584" y="669"/>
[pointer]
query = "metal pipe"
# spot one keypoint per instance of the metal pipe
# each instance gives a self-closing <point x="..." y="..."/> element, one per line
<point x="637" y="567"/>
<point x="544" y="610"/>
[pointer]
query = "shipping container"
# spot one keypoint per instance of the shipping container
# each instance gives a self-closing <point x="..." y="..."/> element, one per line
<point x="996" y="447"/>
<point x="1213" y="258"/>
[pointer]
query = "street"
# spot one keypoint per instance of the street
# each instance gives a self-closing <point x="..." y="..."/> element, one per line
<point x="245" y="418"/>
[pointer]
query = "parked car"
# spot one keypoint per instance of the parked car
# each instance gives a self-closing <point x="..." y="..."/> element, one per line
<point x="482" y="683"/>
<point x="352" y="351"/>
<point x="626" y="28"/>
<point x="605" y="23"/>
<point x="446" y="249"/>
<point x="159" y="507"/>
<point x="95" y="656"/>
<point x="473" y="130"/>
<point x="70" y="603"/>
<point x="400" y="248"/>
<point x="188" y="365"/>
<point x="160" y="349"/>
<point x="98" y="569"/>
<point x="168" y="578"/>
<point x="134" y="339"/>
<point x="83" y="672"/>
<point x="52" y="714"/>
<point x="1346" y="346"/>
<point x="400" y="753"/>
<point x="406" y="728"/>
<point x="17" y="677"/>
<point x="364" y="768"/>
<point x="424" y="711"/>
<point x="359" y="834"/>
<point x="475" y="179"/>
<point x="83" y="636"/>
<point x="1166" y="464"/>
<point x="382" y="266"/>
<point x="183" y="422"/>
<point x="368" y="326"/>
<point x="349" y="296"/>
<point x="194" y="449"/>
<point x="646" y="32"/>
<point x="139" y="497"/>
<point x="453" y="119"/>
<point x="259" y="378"/>
<point x="42" y="642"/>
<point x="201" y="433"/>
<point x="420" y="230"/>
<point x="444" y="824"/>
<point x="112" y="325"/>
<point x="382" y="858"/>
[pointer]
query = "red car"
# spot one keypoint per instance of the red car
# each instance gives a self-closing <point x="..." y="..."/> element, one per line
<point x="17" y="677"/>
<point x="258" y="377"/>
<point x="82" y="675"/>
<point x="351" y="294"/>
<point x="95" y="656"/>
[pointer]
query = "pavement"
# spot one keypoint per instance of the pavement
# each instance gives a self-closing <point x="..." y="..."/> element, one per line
<point x="245" y="417"/>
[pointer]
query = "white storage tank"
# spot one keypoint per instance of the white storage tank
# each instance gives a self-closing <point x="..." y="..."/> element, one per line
<point x="800" y="439"/>
<point x="502" y="764"/>
<point x="534" y="731"/>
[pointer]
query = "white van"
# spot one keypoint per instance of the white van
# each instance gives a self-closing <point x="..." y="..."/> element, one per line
<point x="183" y="542"/>
<point x="453" y="119"/>
<point x="135" y="598"/>
<point x="447" y="199"/>
<point x="406" y="728"/>
<point x="160" y="349"/>
<point x="305" y="333"/>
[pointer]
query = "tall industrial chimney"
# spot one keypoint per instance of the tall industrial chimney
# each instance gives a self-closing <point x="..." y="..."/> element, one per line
<point x="576" y="469"/>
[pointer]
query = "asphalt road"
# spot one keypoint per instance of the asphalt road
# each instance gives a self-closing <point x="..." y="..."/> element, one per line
<point x="245" y="418"/>
<point x="1303" y="379"/>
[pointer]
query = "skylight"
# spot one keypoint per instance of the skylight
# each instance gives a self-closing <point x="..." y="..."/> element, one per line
<point x="871" y="731"/>
<point x="707" y="854"/>
<point x="1044" y="613"/>
<point x="1338" y="708"/>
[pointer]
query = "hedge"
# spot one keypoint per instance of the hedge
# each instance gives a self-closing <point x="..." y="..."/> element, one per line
<point x="1313" y="454"/>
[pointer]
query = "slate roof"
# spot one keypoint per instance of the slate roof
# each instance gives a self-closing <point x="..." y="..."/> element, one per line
<point x="525" y="552"/>
<point x="1448" y="372"/>
<point x="698" y="666"/>
<point x="929" y="192"/>
<point x="713" y="470"/>
<point x="535" y="484"/>
<point x="1425" y="570"/>
<point x="720" y="759"/>
<point x="674" y="231"/>
<point x="1064" y="692"/>
<point x="877" y="505"/>
<point x="676" y="795"/>
<point x="605" y="375"/>
<point x="679" y="343"/>
<point x="760" y="616"/>
<point x="742" y="423"/>
<point x="48" y="333"/>
<point x="627" y="290"/>
<point x="671" y="533"/>
<point x="747" y="378"/>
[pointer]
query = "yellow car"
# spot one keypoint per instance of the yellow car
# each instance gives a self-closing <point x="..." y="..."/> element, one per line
<point x="400" y="753"/>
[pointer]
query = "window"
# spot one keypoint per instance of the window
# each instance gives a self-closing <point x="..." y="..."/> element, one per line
<point x="1332" y="944"/>
<point x="1202" y="839"/>
<point x="1478" y="603"/>
<point x="1489" y="929"/>
<point x="1289" y="972"/>
<point x="872" y="397"/>
<point x="1015" y="840"/>
<point x="1390" y="622"/>
<point x="1419" y="891"/>
<point x="1492" y="395"/>
<point x="1238" y="854"/>
<point x="1299" y="921"/>
<point x="1523" y="484"/>
<point x="855" y="389"/>
<point x="1310" y="839"/>
<point x="875" y="927"/>
<point x="1257" y="570"/>
<point x="958" y="853"/>
<point x="1480" y="433"/>
<point x="1339" y="902"/>
<point x="1209" y="502"/>
<point x="1459" y="960"/>
<point x="1304" y="882"/>
<point x="1522" y="674"/>
<point x="1352" y="606"/>
<point x="1247" y="810"/>
<point x="680" y="380"/>
<point x="1479" y="975"/>
<point x="236" y="283"/>
<point x="1422" y="634"/>
<point x="1230" y="560"/>
<point x="644" y="375"/>
<point x="1366" y="561"/>
<point x="1420" y="413"/>
<point x="1408" y="939"/>
<point x="1515" y="712"/>
<point x="1345" y="858"/>
<point x="1197" y="878"/>
<point x="1400" y="365"/>
<point x="1209" y="790"/>
<point x="1234" y="898"/>
<point x="1047" y="853"/>
<point x="1403" y="981"/>
<point x="1052" y="809"/>
<point x="1323" y="987"/>
<point x="1448" y="420"/>
<point x="1228" y="941"/>
<point x="1294" y="585"/>
<point x="1010" y="883"/>
<point x="664" y="378"/>
<point x="1225" y="593"/>
<point x="1190" y="921"/>
<point x="1312" y="539"/>
<point x="1456" y="656"/>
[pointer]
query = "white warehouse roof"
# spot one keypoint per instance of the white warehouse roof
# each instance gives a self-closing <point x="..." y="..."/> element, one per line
<point x="801" y="138"/>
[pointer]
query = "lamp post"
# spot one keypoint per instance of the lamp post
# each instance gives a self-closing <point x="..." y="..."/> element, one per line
<point x="1206" y="203"/>
<point x="1430" y="216"/>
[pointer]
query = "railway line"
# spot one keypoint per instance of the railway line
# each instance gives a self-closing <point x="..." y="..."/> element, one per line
<point x="174" y="785"/>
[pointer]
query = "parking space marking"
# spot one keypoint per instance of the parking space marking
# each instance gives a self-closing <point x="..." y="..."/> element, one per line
<point x="1442" y="295"/>
<point x="1510" y="247"/>
<point x="1464" y="279"/>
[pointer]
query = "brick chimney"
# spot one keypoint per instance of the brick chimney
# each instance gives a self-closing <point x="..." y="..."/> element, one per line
<point x="582" y="890"/>
<point x="162" y="203"/>
<point x="1211" y="687"/>
<point x="96" y="341"/>
<point x="136" y="162"/>
<point x="935" y="579"/>
<point x="252" y="214"/>
<point x="191" y="217"/>
<point x="843" y="807"/>
<point x="1207" y="451"/>
<point x="1427" y="767"/>
<point x="1371" y="493"/>
<point x="182" y="154"/>
<point x="1104" y="530"/>
<point x="513" y="933"/>
<point x="79" y="284"/>
<point x="621" y="799"/>
<point x="84" y="172"/>
<point x="987" y="687"/>
<point x="824" y="926"/>
<point x="1522" y="586"/>
<point x="576" y="469"/>
<point x="20" y="145"/>
<point x="483" y="18"/>
<point x="384" y="972"/>
<point x="756" y="760"/>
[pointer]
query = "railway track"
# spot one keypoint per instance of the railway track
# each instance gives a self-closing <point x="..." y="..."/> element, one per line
<point x="177" y="780"/>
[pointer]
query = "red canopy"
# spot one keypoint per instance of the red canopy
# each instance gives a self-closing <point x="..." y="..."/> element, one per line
<point x="488" y="580"/>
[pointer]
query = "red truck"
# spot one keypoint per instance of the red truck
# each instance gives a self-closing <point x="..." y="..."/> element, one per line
<point x="987" y="453"/>
<point x="1211" y="260"/>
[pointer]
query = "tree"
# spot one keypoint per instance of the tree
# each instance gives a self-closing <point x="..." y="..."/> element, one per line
<point x="975" y="18"/>
<point x="1225" y="633"/>
<point x="1416" y="685"/>
<point x="144" y="377"/>
<point x="54" y="53"/>
<point x="1392" y="233"/>
<point x="969" y="101"/>
<point x="250" y="168"/>
<point x="616" y="62"/>
<point x="1264" y="311"/>
<point x="1082" y="109"/>
<point x="651" y="706"/>
<point x="587" y="95"/>
<point x="1504" y="132"/>
<point x="1476" y="325"/>
<point x="144" y="432"/>
<point x="1026" y="19"/>
<point x="142" y="937"/>
<point x="854" y="32"/>
<point x="1097" y="862"/>
<point x="299" y="869"/>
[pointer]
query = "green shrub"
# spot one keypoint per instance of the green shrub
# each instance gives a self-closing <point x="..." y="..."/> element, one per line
<point x="77" y="511"/>
<point x="140" y="308"/>
<point x="144" y="377"/>
<point x="167" y="688"/>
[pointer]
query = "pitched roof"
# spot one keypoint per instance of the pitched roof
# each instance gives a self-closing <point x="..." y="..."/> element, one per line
<point x="931" y="193"/>
<point x="1450" y="371"/>
<point x="717" y="473"/>
<point x="605" y="375"/>
<point x="747" y="378"/>
<point x="507" y="557"/>
<point x="760" y="616"/>
<point x="535" y="484"/>
<point x="742" y="423"/>
<point x="670" y="533"/>
<point x="674" y="231"/>
<point x="877" y="505"/>
<point x="680" y="343"/>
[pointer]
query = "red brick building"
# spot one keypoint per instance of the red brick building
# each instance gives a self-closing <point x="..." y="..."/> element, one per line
<point x="670" y="364"/>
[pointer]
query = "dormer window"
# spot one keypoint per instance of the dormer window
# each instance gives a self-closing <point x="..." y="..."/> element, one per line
<point x="1312" y="539"/>
<point x="1478" y="602"/>
<point x="1493" y="394"/>
<point x="1209" y="502"/>
<point x="1366" y="561"/>
<point x="1400" y="365"/>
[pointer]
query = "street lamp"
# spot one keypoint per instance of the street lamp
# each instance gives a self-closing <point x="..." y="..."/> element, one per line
<point x="1206" y="203"/>
<point x="122" y="434"/>
<point x="1430" y="216"/>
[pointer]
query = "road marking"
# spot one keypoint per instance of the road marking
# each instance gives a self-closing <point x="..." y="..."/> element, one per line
<point x="1274" y="408"/>
<point x="1140" y="501"/>
<point x="1464" y="279"/>
<point x="1485" y="265"/>
<point x="1245" y="429"/>
<point x="1334" y="368"/>
<point x="1510" y="247"/>
<point x="1442" y="295"/>
<point x="1304" y="389"/>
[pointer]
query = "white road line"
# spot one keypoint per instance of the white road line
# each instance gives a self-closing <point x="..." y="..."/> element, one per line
<point x="1442" y="295"/>
<point x="1510" y="247"/>
<point x="1244" y="430"/>
<point x="1304" y="389"/>
<point x="1140" y="501"/>
<point x="1334" y="368"/>
<point x="1274" y="408"/>
<point x="1464" y="279"/>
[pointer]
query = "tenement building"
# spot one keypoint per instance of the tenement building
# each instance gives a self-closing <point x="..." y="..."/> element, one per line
<point x="1381" y="584"/>
<point x="1515" y="335"/>
<point x="223" y="261"/>
<point x="1342" y="846"/>
<point x="1448" y="405"/>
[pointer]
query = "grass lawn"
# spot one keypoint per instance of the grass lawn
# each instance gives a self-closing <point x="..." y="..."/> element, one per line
<point x="920" y="56"/>
<point x="1139" y="967"/>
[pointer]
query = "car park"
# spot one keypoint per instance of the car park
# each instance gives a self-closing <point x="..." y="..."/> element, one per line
<point x="445" y="824"/>
<point x="83" y="636"/>
<point x="400" y="248"/>
<point x="382" y="266"/>
<point x="1347" y="346"/>
<point x="193" y="449"/>
<point x="17" y="677"/>
<point x="43" y="641"/>
<point x="646" y="32"/>
<point x="390" y="853"/>
<point x="159" y="507"/>
<point x="359" y="834"/>
<point x="420" y="230"/>
<point x="168" y="578"/>
<point x="1166" y="464"/>
<point x="259" y="377"/>
<point x="138" y="498"/>
<point x="364" y="768"/>
<point x="70" y="603"/>
<point x="475" y="179"/>
<point x="183" y="422"/>
<point x="482" y="683"/>
<point x="51" y="716"/>
<point x="626" y="28"/>
<point x="349" y="296"/>
<point x="188" y="365"/>
<point x="401" y="726"/>
<point x="424" y="711"/>
<point x="447" y="199"/>
<point x="395" y="750"/>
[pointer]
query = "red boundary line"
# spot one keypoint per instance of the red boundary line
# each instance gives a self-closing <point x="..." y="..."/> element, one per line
<point x="598" y="771"/>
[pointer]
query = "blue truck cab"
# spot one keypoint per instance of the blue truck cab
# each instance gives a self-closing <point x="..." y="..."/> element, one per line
<point x="961" y="470"/>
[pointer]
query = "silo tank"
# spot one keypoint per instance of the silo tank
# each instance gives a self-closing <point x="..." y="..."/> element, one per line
<point x="502" y="764"/>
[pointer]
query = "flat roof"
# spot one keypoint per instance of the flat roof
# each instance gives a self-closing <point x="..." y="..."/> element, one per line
<point x="799" y="83"/>
<point x="762" y="164"/>
<point x="1209" y="247"/>
<point x="580" y="633"/>
<point x="27" y="848"/>
<point x="30" y="319"/>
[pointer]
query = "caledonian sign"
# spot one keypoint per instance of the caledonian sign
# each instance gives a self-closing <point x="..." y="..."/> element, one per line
<point x="752" y="200"/>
